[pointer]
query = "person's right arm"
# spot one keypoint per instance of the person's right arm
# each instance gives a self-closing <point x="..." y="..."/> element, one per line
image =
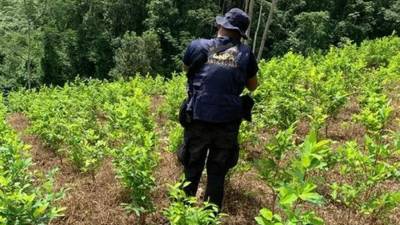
<point x="252" y="69"/>
<point x="185" y="68"/>
<point x="252" y="83"/>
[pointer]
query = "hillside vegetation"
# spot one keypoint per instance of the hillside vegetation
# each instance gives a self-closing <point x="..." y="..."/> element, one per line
<point x="54" y="41"/>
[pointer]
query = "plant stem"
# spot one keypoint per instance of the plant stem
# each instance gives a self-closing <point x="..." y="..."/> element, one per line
<point x="274" y="197"/>
<point x="93" y="176"/>
<point x="326" y="128"/>
<point x="142" y="219"/>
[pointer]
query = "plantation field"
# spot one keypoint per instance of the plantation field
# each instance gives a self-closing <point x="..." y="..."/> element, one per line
<point x="323" y="147"/>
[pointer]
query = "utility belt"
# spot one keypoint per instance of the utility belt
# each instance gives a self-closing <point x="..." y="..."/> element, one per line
<point x="187" y="109"/>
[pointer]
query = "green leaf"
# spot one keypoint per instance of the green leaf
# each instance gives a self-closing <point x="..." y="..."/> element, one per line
<point x="40" y="210"/>
<point x="288" y="199"/>
<point x="260" y="221"/>
<point x="312" y="197"/>
<point x="306" y="161"/>
<point x="266" y="213"/>
<point x="3" y="181"/>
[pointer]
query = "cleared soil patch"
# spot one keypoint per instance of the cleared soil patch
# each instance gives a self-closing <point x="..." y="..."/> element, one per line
<point x="245" y="195"/>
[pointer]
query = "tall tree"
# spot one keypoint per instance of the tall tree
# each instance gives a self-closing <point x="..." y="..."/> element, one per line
<point x="260" y="16"/>
<point x="312" y="31"/>
<point x="250" y="13"/>
<point x="52" y="41"/>
<point x="266" y="29"/>
<point x="137" y="54"/>
<point x="20" y="42"/>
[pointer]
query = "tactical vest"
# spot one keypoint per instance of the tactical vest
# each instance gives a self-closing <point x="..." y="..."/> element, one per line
<point x="215" y="88"/>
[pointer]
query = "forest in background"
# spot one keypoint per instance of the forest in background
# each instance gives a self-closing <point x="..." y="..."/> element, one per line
<point x="54" y="41"/>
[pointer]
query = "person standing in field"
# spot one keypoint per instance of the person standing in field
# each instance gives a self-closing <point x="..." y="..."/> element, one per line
<point x="218" y="70"/>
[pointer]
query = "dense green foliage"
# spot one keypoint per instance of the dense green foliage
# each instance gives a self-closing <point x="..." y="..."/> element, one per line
<point x="22" y="200"/>
<point x="294" y="86"/>
<point x="314" y="89"/>
<point x="52" y="42"/>
<point x="87" y="121"/>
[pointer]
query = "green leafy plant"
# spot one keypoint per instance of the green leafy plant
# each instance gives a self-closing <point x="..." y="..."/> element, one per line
<point x="266" y="217"/>
<point x="183" y="210"/>
<point x="367" y="171"/>
<point x="288" y="181"/>
<point x="134" y="166"/>
<point x="23" y="201"/>
<point x="175" y="93"/>
<point x="175" y="137"/>
<point x="375" y="113"/>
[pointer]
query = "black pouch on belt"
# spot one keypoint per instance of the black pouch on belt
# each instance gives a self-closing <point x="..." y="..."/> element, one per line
<point x="247" y="106"/>
<point x="185" y="116"/>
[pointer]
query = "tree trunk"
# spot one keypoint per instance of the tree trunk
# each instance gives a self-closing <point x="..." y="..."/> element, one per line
<point x="268" y="24"/>
<point x="260" y="15"/>
<point x="28" y="65"/>
<point x="246" y="5"/>
<point x="29" y="56"/>
<point x="251" y="9"/>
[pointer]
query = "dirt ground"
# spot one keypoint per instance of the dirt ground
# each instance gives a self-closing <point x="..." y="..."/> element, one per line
<point x="98" y="202"/>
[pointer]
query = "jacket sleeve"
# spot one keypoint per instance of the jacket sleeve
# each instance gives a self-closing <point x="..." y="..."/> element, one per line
<point x="252" y="67"/>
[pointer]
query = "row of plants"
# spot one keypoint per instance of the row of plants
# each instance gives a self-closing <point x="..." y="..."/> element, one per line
<point x="26" y="197"/>
<point x="369" y="165"/>
<point x="75" y="120"/>
<point x="131" y="132"/>
<point x="299" y="174"/>
<point x="315" y="89"/>
<point x="89" y="121"/>
<point x="293" y="86"/>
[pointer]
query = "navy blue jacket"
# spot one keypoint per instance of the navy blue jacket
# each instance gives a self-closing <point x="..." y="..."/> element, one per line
<point x="216" y="85"/>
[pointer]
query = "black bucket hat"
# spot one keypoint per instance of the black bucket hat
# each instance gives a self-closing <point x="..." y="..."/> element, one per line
<point x="235" y="19"/>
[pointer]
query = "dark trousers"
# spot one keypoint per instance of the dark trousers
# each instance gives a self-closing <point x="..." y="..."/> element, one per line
<point x="214" y="146"/>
